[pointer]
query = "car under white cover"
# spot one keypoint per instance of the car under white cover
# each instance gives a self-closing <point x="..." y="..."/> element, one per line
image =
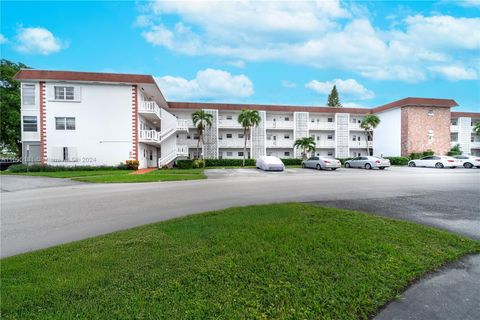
<point x="270" y="163"/>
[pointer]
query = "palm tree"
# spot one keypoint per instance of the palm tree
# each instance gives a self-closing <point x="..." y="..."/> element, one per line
<point x="476" y="129"/>
<point x="201" y="120"/>
<point x="307" y="144"/>
<point x="248" y="119"/>
<point x="369" y="123"/>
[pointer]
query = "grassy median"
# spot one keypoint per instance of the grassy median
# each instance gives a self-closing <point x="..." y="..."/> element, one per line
<point x="292" y="261"/>
<point x="117" y="176"/>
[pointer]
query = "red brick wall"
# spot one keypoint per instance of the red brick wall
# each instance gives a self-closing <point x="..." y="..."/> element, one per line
<point x="415" y="126"/>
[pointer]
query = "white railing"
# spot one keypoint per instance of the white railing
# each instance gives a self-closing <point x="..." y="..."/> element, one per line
<point x="192" y="143"/>
<point x="149" y="107"/>
<point x="182" y="150"/>
<point x="232" y="143"/>
<point x="326" y="144"/>
<point x="454" y="128"/>
<point x="165" y="134"/>
<point x="169" y="157"/>
<point x="183" y="124"/>
<point x="359" y="144"/>
<point x="354" y="126"/>
<point x="149" y="135"/>
<point x="279" y="144"/>
<point x="279" y="124"/>
<point x="321" y="126"/>
<point x="230" y="123"/>
<point x="475" y="144"/>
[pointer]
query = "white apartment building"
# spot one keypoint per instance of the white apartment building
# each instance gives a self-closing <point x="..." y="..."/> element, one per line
<point x="81" y="118"/>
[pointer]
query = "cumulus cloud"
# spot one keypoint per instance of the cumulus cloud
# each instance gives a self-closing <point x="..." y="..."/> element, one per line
<point x="3" y="39"/>
<point x="455" y="72"/>
<point x="38" y="41"/>
<point x="208" y="84"/>
<point x="322" y="34"/>
<point x="348" y="87"/>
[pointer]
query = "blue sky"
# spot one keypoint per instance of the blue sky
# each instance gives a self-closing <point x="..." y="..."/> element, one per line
<point x="260" y="52"/>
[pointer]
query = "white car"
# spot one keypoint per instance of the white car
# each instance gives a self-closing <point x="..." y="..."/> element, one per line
<point x="469" y="161"/>
<point x="270" y="163"/>
<point x="320" y="163"/>
<point x="435" y="162"/>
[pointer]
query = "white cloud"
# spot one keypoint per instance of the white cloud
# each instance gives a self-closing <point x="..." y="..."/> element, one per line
<point x="288" y="84"/>
<point x="455" y="72"/>
<point x="209" y="84"/>
<point x="237" y="64"/>
<point x="38" y="41"/>
<point x="348" y="87"/>
<point x="322" y="34"/>
<point x="3" y="39"/>
<point x="467" y="3"/>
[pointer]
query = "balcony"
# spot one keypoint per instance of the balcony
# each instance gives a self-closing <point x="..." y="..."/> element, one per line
<point x="280" y="144"/>
<point x="190" y="143"/>
<point x="229" y="123"/>
<point x="280" y="125"/>
<point x="183" y="124"/>
<point x="149" y="110"/>
<point x="232" y="143"/>
<point x="149" y="137"/>
<point x="182" y="150"/>
<point x="321" y="126"/>
<point x="325" y="144"/>
<point x="360" y="144"/>
<point x="454" y="128"/>
<point x="475" y="145"/>
<point x="355" y="126"/>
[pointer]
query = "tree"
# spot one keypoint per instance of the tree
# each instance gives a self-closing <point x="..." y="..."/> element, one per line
<point x="10" y="134"/>
<point x="248" y="119"/>
<point x="369" y="123"/>
<point x="201" y="119"/>
<point x="307" y="144"/>
<point x="476" y="129"/>
<point x="334" y="99"/>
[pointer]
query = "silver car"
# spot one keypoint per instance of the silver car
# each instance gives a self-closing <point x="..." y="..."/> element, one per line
<point x="320" y="163"/>
<point x="369" y="162"/>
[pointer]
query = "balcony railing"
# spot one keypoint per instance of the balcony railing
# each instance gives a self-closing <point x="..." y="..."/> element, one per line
<point x="454" y="128"/>
<point x="228" y="123"/>
<point x="359" y="144"/>
<point x="232" y="143"/>
<point x="321" y="126"/>
<point x="279" y="124"/>
<point x="475" y="145"/>
<point x="182" y="150"/>
<point x="149" y="136"/>
<point x="355" y="126"/>
<point x="279" y="144"/>
<point x="149" y="107"/>
<point x="326" y="144"/>
<point x="183" y="124"/>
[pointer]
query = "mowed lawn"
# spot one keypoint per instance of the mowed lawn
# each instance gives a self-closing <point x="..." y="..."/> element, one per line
<point x="117" y="176"/>
<point x="290" y="261"/>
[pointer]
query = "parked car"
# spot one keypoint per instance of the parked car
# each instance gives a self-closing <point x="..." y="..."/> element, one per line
<point x="469" y="161"/>
<point x="369" y="162"/>
<point x="435" y="162"/>
<point x="7" y="162"/>
<point x="270" y="163"/>
<point x="320" y="163"/>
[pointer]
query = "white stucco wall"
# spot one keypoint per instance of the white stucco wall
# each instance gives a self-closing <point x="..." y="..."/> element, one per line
<point x="103" y="119"/>
<point x="387" y="136"/>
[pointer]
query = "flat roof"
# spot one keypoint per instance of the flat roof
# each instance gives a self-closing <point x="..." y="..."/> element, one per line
<point x="421" y="102"/>
<point x="33" y="74"/>
<point x="466" y="114"/>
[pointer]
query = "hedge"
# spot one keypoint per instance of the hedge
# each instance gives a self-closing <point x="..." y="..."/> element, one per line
<point x="291" y="162"/>
<point x="49" y="168"/>
<point x="398" y="161"/>
<point x="418" y="155"/>
<point x="189" y="164"/>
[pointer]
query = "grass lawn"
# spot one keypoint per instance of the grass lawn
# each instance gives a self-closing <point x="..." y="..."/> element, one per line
<point x="112" y="176"/>
<point x="292" y="261"/>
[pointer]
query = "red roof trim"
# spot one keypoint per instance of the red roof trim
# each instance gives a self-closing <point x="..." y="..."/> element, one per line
<point x="32" y="74"/>
<point x="466" y="114"/>
<point x="447" y="103"/>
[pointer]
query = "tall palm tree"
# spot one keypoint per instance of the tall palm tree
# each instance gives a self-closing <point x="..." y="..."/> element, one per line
<point x="201" y="120"/>
<point x="307" y="144"/>
<point x="248" y="119"/>
<point x="369" y="123"/>
<point x="476" y="129"/>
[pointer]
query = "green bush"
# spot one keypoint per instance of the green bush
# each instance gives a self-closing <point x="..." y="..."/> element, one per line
<point x="418" y="155"/>
<point x="398" y="161"/>
<point x="132" y="164"/>
<point x="428" y="153"/>
<point x="455" y="151"/>
<point x="228" y="162"/>
<point x="198" y="164"/>
<point x="291" y="162"/>
<point x="17" y="168"/>
<point x="184" y="164"/>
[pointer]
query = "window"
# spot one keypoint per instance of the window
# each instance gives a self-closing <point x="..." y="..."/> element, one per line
<point x="269" y="154"/>
<point x="241" y="136"/>
<point x="330" y="154"/>
<point x="196" y="137"/>
<point x="287" y="119"/>
<point x="229" y="154"/>
<point x="62" y="123"/>
<point x="64" y="93"/>
<point x="240" y="153"/>
<point x="454" y="122"/>
<point x="330" y="120"/>
<point x="65" y="153"/>
<point x="430" y="112"/>
<point x="269" y="137"/>
<point x="330" y="137"/>
<point x="30" y="124"/>
<point x="229" y="117"/>
<point x="287" y="136"/>
<point x="28" y="94"/>
<point x="287" y="153"/>
<point x="188" y="136"/>
<point x="318" y="138"/>
<point x="229" y="135"/>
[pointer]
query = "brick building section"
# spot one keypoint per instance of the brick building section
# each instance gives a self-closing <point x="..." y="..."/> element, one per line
<point x="135" y="122"/>
<point x="43" y="125"/>
<point x="415" y="125"/>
